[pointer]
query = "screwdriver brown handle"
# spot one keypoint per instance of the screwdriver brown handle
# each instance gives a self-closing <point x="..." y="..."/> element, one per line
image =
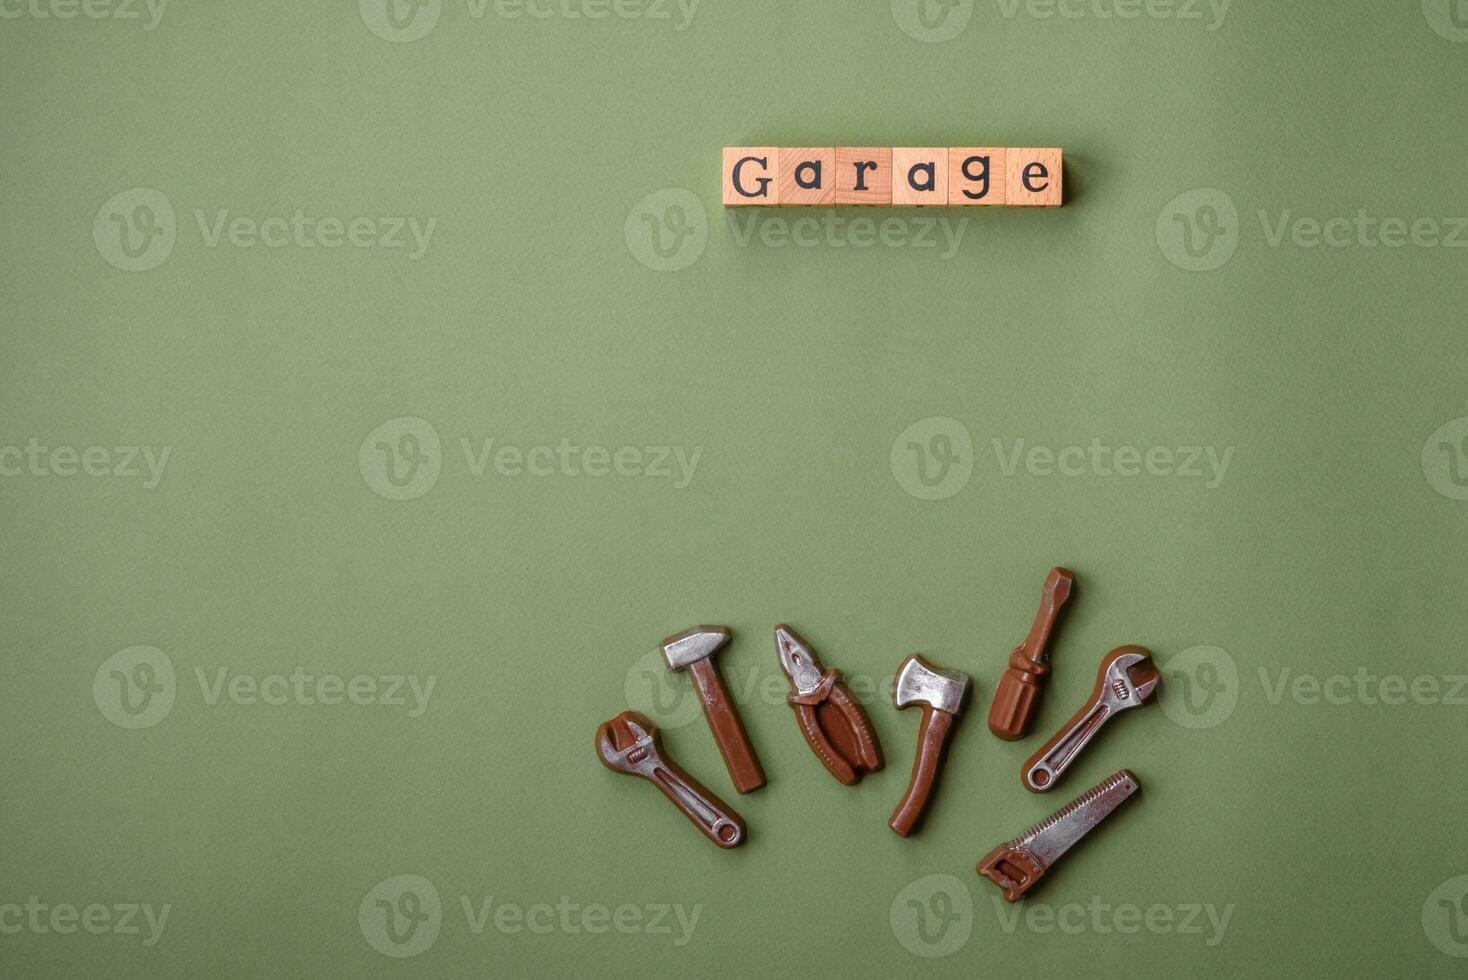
<point x="705" y="810"/>
<point x="734" y="746"/>
<point x="931" y="746"/>
<point x="1018" y="692"/>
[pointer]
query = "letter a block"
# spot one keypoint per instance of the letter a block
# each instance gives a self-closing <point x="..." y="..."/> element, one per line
<point x="749" y="176"/>
<point x="807" y="176"/>
<point x="919" y="176"/>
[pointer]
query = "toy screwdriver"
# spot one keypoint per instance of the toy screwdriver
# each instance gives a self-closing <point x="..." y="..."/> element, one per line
<point x="1018" y="690"/>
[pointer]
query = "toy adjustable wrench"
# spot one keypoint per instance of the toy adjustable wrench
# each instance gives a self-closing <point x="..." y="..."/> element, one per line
<point x="1126" y="680"/>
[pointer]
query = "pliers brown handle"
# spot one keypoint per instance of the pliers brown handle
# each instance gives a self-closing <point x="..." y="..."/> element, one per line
<point x="831" y="720"/>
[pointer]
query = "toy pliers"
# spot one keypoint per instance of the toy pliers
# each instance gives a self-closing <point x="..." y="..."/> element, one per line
<point x="830" y="719"/>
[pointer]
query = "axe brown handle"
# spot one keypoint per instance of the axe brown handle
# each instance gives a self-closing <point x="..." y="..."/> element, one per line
<point x="744" y="768"/>
<point x="931" y="745"/>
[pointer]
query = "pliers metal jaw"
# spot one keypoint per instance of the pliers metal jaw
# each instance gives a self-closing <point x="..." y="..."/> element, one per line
<point x="833" y="724"/>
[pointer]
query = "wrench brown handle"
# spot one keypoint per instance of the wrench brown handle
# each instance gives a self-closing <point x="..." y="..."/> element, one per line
<point x="704" y="810"/>
<point x="931" y="745"/>
<point x="729" y="735"/>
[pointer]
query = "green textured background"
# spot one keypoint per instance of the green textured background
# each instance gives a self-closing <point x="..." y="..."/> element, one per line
<point x="1328" y="827"/>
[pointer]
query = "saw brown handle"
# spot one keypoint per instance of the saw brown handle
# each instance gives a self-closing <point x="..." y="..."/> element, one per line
<point x="931" y="745"/>
<point x="1018" y="691"/>
<point x="739" y="757"/>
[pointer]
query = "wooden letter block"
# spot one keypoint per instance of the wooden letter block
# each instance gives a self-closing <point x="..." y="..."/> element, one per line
<point x="864" y="175"/>
<point x="919" y="176"/>
<point x="1033" y="178"/>
<point x="749" y="176"/>
<point x="807" y="176"/>
<point x="976" y="176"/>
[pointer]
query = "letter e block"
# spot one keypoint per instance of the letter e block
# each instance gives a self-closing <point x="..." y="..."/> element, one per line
<point x="1033" y="178"/>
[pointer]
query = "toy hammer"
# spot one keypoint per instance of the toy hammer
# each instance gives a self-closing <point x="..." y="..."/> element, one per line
<point x="693" y="650"/>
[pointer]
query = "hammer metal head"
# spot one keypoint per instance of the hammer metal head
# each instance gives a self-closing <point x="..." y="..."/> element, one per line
<point x="693" y="645"/>
<point x="919" y="682"/>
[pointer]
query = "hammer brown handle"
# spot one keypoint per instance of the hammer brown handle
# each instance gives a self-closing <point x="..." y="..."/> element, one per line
<point x="932" y="744"/>
<point x="744" y="768"/>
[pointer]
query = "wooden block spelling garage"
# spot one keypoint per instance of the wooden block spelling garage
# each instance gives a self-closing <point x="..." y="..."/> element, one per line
<point x="899" y="176"/>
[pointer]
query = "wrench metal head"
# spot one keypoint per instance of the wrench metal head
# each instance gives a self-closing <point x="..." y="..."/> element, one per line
<point x="627" y="743"/>
<point x="1127" y="677"/>
<point x="798" y="661"/>
<point x="693" y="645"/>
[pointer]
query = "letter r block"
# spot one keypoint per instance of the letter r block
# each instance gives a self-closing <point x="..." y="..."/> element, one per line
<point x="864" y="175"/>
<point x="749" y="176"/>
<point x="807" y="176"/>
<point x="1033" y="178"/>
